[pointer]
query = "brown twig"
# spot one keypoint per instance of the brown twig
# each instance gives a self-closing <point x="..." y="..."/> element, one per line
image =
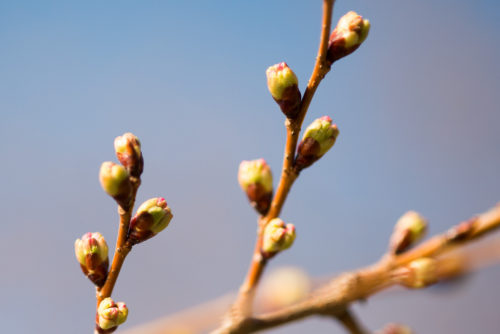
<point x="350" y="322"/>
<point x="122" y="246"/>
<point x="288" y="174"/>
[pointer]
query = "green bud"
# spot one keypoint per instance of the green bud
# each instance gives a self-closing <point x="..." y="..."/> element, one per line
<point x="283" y="86"/>
<point x="350" y="32"/>
<point x="111" y="314"/>
<point x="256" y="180"/>
<point x="278" y="236"/>
<point x="115" y="182"/>
<point x="410" y="228"/>
<point x="92" y="253"/>
<point x="128" y="151"/>
<point x="152" y="217"/>
<point x="419" y="273"/>
<point x="318" y="138"/>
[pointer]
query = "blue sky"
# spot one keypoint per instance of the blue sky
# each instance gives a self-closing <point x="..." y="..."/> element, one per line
<point x="416" y="105"/>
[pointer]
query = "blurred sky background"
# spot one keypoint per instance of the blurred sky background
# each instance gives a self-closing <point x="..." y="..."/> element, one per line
<point x="417" y="108"/>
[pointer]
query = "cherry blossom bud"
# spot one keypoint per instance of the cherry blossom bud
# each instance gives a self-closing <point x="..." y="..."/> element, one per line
<point x="111" y="314"/>
<point x="318" y="138"/>
<point x="285" y="286"/>
<point x="92" y="253"/>
<point x="115" y="182"/>
<point x="461" y="231"/>
<point x="128" y="151"/>
<point x="283" y="85"/>
<point x="278" y="236"/>
<point x="151" y="218"/>
<point x="256" y="180"/>
<point x="419" y="273"/>
<point x="409" y="229"/>
<point x="350" y="32"/>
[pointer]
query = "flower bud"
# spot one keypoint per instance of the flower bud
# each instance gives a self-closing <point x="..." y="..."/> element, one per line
<point x="409" y="229"/>
<point x="461" y="231"/>
<point x="285" y="286"/>
<point x="115" y="182"/>
<point x="395" y="329"/>
<point x="283" y="85"/>
<point x="318" y="138"/>
<point x="92" y="253"/>
<point x="278" y="236"/>
<point x="111" y="314"/>
<point x="350" y="32"/>
<point x="128" y="151"/>
<point x="256" y="180"/>
<point x="150" y="219"/>
<point x="419" y="273"/>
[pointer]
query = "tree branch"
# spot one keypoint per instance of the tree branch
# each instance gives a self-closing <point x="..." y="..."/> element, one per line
<point x="243" y="305"/>
<point x="122" y="246"/>
<point x="334" y="297"/>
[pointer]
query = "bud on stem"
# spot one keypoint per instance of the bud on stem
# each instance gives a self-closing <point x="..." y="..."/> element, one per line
<point x="283" y="86"/>
<point x="128" y="152"/>
<point x="111" y="314"/>
<point x="278" y="236"/>
<point x="152" y="217"/>
<point x="256" y="180"/>
<point x="350" y="32"/>
<point x="116" y="183"/>
<point x="408" y="230"/>
<point x="318" y="138"/>
<point x="418" y="274"/>
<point x="92" y="253"/>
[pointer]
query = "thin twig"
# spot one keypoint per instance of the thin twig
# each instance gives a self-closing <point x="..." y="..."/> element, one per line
<point x="288" y="174"/>
<point x="350" y="322"/>
<point x="122" y="246"/>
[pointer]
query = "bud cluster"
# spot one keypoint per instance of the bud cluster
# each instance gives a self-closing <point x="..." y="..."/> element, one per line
<point x="152" y="217"/>
<point x="408" y="230"/>
<point x="92" y="253"/>
<point x="256" y="180"/>
<point x="283" y="86"/>
<point x="278" y="236"/>
<point x="116" y="180"/>
<point x="318" y="138"/>
<point x="350" y="32"/>
<point x="111" y="314"/>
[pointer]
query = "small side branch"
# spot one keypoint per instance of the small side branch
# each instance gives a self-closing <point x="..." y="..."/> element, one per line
<point x="351" y="323"/>
<point x="122" y="246"/>
<point x="288" y="174"/>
